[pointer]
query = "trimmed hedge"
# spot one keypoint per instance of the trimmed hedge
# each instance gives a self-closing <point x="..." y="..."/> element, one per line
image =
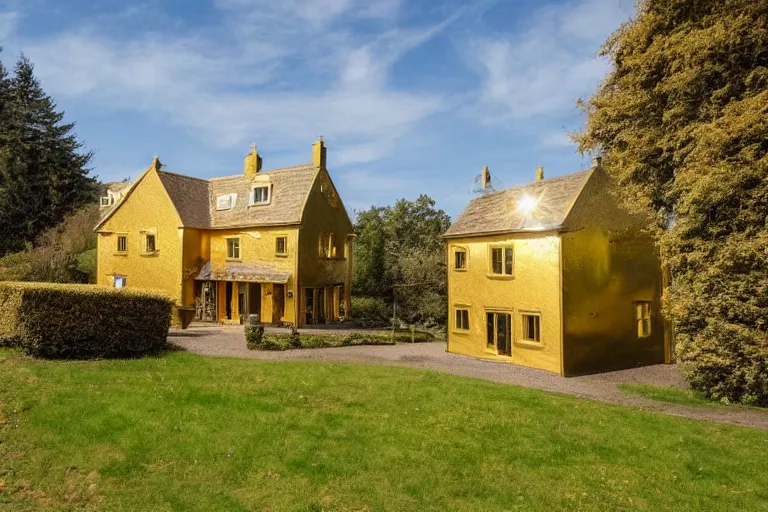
<point x="257" y="339"/>
<point x="82" y="321"/>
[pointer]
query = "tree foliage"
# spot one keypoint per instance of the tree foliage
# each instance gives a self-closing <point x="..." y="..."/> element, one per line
<point x="399" y="255"/>
<point x="43" y="167"/>
<point x="682" y="123"/>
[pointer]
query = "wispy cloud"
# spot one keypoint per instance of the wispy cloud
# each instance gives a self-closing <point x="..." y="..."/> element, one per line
<point x="8" y="22"/>
<point x="281" y="67"/>
<point x="542" y="70"/>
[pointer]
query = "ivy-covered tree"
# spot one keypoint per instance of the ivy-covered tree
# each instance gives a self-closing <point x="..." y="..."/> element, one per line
<point x="43" y="167"/>
<point x="682" y="125"/>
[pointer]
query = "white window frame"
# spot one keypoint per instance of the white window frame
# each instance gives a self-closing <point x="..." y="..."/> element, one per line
<point x="238" y="247"/>
<point x="252" y="200"/>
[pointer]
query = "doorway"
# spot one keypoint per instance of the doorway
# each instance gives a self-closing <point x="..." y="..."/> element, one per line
<point x="499" y="333"/>
<point x="228" y="301"/>
<point x="278" y="303"/>
<point x="254" y="300"/>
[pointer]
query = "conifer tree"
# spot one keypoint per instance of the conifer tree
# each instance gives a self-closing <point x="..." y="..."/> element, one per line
<point x="682" y="124"/>
<point x="43" y="168"/>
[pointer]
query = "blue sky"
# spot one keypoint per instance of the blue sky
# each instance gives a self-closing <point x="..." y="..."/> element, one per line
<point x="411" y="96"/>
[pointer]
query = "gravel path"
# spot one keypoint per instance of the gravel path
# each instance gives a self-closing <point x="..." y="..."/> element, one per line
<point x="229" y="341"/>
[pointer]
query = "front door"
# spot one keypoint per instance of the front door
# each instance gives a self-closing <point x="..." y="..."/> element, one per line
<point x="228" y="301"/>
<point x="320" y="308"/>
<point x="499" y="333"/>
<point x="278" y="303"/>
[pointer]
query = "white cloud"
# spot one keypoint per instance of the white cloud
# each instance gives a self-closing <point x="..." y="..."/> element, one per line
<point x="264" y="77"/>
<point x="542" y="70"/>
<point x="8" y="22"/>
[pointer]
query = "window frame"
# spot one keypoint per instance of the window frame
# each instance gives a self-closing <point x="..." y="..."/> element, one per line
<point x="233" y="257"/>
<point x="505" y="251"/>
<point x="457" y="310"/>
<point x="252" y="196"/>
<point x="145" y="237"/>
<point x="231" y="201"/>
<point x="643" y="318"/>
<point x="123" y="278"/>
<point x="523" y="339"/>
<point x="120" y="236"/>
<point x="285" y="245"/>
<point x="456" y="252"/>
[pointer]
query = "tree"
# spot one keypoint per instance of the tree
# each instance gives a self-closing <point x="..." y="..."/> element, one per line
<point x="43" y="169"/>
<point x="399" y="252"/>
<point x="682" y="124"/>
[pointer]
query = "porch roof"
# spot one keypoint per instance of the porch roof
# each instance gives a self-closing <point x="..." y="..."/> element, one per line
<point x="244" y="272"/>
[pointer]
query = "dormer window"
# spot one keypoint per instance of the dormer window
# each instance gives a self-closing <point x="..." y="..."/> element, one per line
<point x="106" y="201"/>
<point x="226" y="201"/>
<point x="260" y="194"/>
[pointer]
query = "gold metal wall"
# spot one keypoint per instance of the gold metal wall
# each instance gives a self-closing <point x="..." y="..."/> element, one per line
<point x="534" y="287"/>
<point x="608" y="264"/>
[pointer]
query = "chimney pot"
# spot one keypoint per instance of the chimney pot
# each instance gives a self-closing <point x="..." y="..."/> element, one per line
<point x="318" y="153"/>
<point x="252" y="162"/>
<point x="485" y="178"/>
<point x="539" y="173"/>
<point x="597" y="162"/>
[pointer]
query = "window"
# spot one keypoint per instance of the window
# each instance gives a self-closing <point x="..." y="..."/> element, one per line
<point x="119" y="281"/>
<point x="106" y="201"/>
<point x="122" y="243"/>
<point x="460" y="259"/>
<point x="281" y="245"/>
<point x="531" y="327"/>
<point x="226" y="202"/>
<point x="260" y="195"/>
<point x="643" y="318"/>
<point x="149" y="243"/>
<point x="462" y="319"/>
<point x="233" y="248"/>
<point x="502" y="259"/>
<point x="499" y="333"/>
<point x="326" y="246"/>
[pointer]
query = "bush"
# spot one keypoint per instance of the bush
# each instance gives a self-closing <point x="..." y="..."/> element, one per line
<point x="372" y="311"/>
<point x="257" y="339"/>
<point x="82" y="321"/>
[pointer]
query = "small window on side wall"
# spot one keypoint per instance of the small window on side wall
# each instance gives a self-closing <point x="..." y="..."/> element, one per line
<point x="531" y="327"/>
<point x="119" y="281"/>
<point x="233" y="248"/>
<point x="149" y="243"/>
<point x="122" y="243"/>
<point x="643" y="318"/>
<point x="460" y="259"/>
<point x="260" y="195"/>
<point x="462" y="319"/>
<point x="281" y="245"/>
<point x="502" y="260"/>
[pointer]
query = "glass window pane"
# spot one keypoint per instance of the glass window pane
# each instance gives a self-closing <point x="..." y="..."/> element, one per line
<point x="490" y="340"/>
<point x="508" y="260"/>
<point x="496" y="260"/>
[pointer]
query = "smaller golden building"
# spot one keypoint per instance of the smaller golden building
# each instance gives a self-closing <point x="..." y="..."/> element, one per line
<point x="272" y="243"/>
<point x="555" y="275"/>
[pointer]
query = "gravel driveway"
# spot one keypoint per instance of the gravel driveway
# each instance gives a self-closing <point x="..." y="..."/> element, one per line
<point x="229" y="341"/>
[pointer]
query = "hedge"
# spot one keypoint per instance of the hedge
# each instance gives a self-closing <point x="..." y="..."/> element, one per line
<point x="257" y="339"/>
<point x="82" y="321"/>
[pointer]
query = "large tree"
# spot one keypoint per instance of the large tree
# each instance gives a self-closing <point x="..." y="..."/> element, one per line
<point x="682" y="124"/>
<point x="399" y="255"/>
<point x="43" y="167"/>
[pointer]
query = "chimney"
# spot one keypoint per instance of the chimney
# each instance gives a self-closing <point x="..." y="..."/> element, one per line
<point x="597" y="162"/>
<point x="252" y="163"/>
<point x="318" y="153"/>
<point x="156" y="165"/>
<point x="485" y="178"/>
<point x="539" y="173"/>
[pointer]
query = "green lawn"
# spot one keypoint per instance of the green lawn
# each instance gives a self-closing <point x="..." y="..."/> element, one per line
<point x="183" y="432"/>
<point x="670" y="395"/>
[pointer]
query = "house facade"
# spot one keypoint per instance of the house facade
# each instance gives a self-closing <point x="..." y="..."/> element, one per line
<point x="273" y="243"/>
<point x="555" y="275"/>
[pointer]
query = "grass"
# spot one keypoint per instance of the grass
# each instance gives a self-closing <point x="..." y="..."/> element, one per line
<point x="670" y="395"/>
<point x="183" y="432"/>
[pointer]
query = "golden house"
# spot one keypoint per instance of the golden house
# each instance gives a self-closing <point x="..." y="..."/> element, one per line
<point x="276" y="243"/>
<point x="555" y="275"/>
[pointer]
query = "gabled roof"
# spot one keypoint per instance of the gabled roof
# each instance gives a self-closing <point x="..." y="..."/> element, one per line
<point x="290" y="188"/>
<point x="190" y="197"/>
<point x="500" y="212"/>
<point x="195" y="198"/>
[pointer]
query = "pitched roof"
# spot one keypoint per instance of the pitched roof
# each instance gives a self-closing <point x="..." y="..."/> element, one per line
<point x="189" y="196"/>
<point x="500" y="212"/>
<point x="290" y="188"/>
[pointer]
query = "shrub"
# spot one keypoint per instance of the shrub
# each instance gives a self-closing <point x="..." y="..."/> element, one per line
<point x="257" y="339"/>
<point x="83" y="321"/>
<point x="370" y="310"/>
